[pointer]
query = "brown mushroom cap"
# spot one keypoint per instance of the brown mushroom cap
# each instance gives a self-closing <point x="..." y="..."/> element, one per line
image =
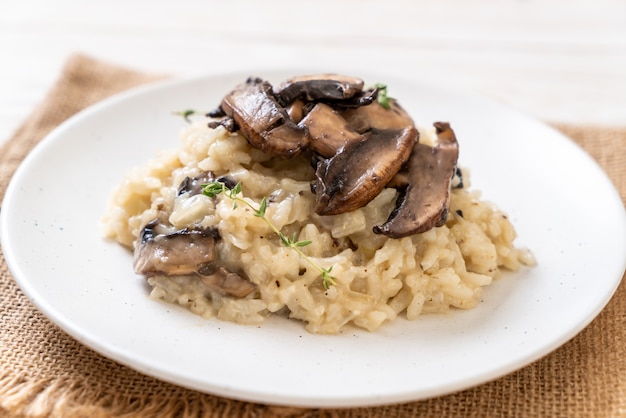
<point x="424" y="201"/>
<point x="375" y="116"/>
<point x="186" y="252"/>
<point x="317" y="87"/>
<point x="262" y="120"/>
<point x="177" y="253"/>
<point x="328" y="130"/>
<point x="359" y="171"/>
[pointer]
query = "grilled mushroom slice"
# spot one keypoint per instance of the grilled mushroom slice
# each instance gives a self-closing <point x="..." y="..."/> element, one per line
<point x="175" y="253"/>
<point x="263" y="121"/>
<point x="424" y="201"/>
<point x="186" y="252"/>
<point x="328" y="130"/>
<point x="375" y="116"/>
<point x="364" y="98"/>
<point x="360" y="170"/>
<point x="318" y="87"/>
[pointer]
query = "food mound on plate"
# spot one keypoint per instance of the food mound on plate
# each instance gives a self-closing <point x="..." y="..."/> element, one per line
<point x="317" y="199"/>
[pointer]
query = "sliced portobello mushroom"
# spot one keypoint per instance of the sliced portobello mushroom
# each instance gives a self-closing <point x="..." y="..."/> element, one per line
<point x="424" y="198"/>
<point x="364" y="98"/>
<point x="317" y="87"/>
<point x="328" y="130"/>
<point x="263" y="121"/>
<point x="186" y="252"/>
<point x="175" y="253"/>
<point x="360" y="170"/>
<point x="375" y="116"/>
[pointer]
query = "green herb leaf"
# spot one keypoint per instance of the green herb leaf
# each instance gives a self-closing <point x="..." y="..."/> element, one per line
<point x="262" y="208"/>
<point x="284" y="239"/>
<point x="186" y="114"/>
<point x="213" y="189"/>
<point x="382" y="97"/>
<point x="327" y="278"/>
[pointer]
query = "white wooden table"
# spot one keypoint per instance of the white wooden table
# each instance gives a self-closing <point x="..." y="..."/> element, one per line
<point x="558" y="60"/>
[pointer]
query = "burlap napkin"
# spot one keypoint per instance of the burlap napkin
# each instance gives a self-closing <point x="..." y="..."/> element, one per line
<point x="43" y="372"/>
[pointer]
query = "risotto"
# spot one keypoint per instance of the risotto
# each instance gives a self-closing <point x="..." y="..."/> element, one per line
<point x="339" y="269"/>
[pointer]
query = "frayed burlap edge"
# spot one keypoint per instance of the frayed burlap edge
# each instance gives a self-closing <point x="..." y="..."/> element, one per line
<point x="66" y="398"/>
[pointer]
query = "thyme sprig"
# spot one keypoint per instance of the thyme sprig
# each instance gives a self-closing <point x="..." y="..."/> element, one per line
<point x="217" y="187"/>
<point x="382" y="97"/>
<point x="186" y="114"/>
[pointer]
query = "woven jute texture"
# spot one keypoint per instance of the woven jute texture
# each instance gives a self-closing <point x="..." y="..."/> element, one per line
<point x="45" y="373"/>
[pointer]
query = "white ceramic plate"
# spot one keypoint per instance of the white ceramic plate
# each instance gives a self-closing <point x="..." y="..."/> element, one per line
<point x="562" y="204"/>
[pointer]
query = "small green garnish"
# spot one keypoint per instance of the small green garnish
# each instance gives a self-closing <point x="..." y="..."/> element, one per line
<point x="214" y="188"/>
<point x="186" y="114"/>
<point x="383" y="99"/>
